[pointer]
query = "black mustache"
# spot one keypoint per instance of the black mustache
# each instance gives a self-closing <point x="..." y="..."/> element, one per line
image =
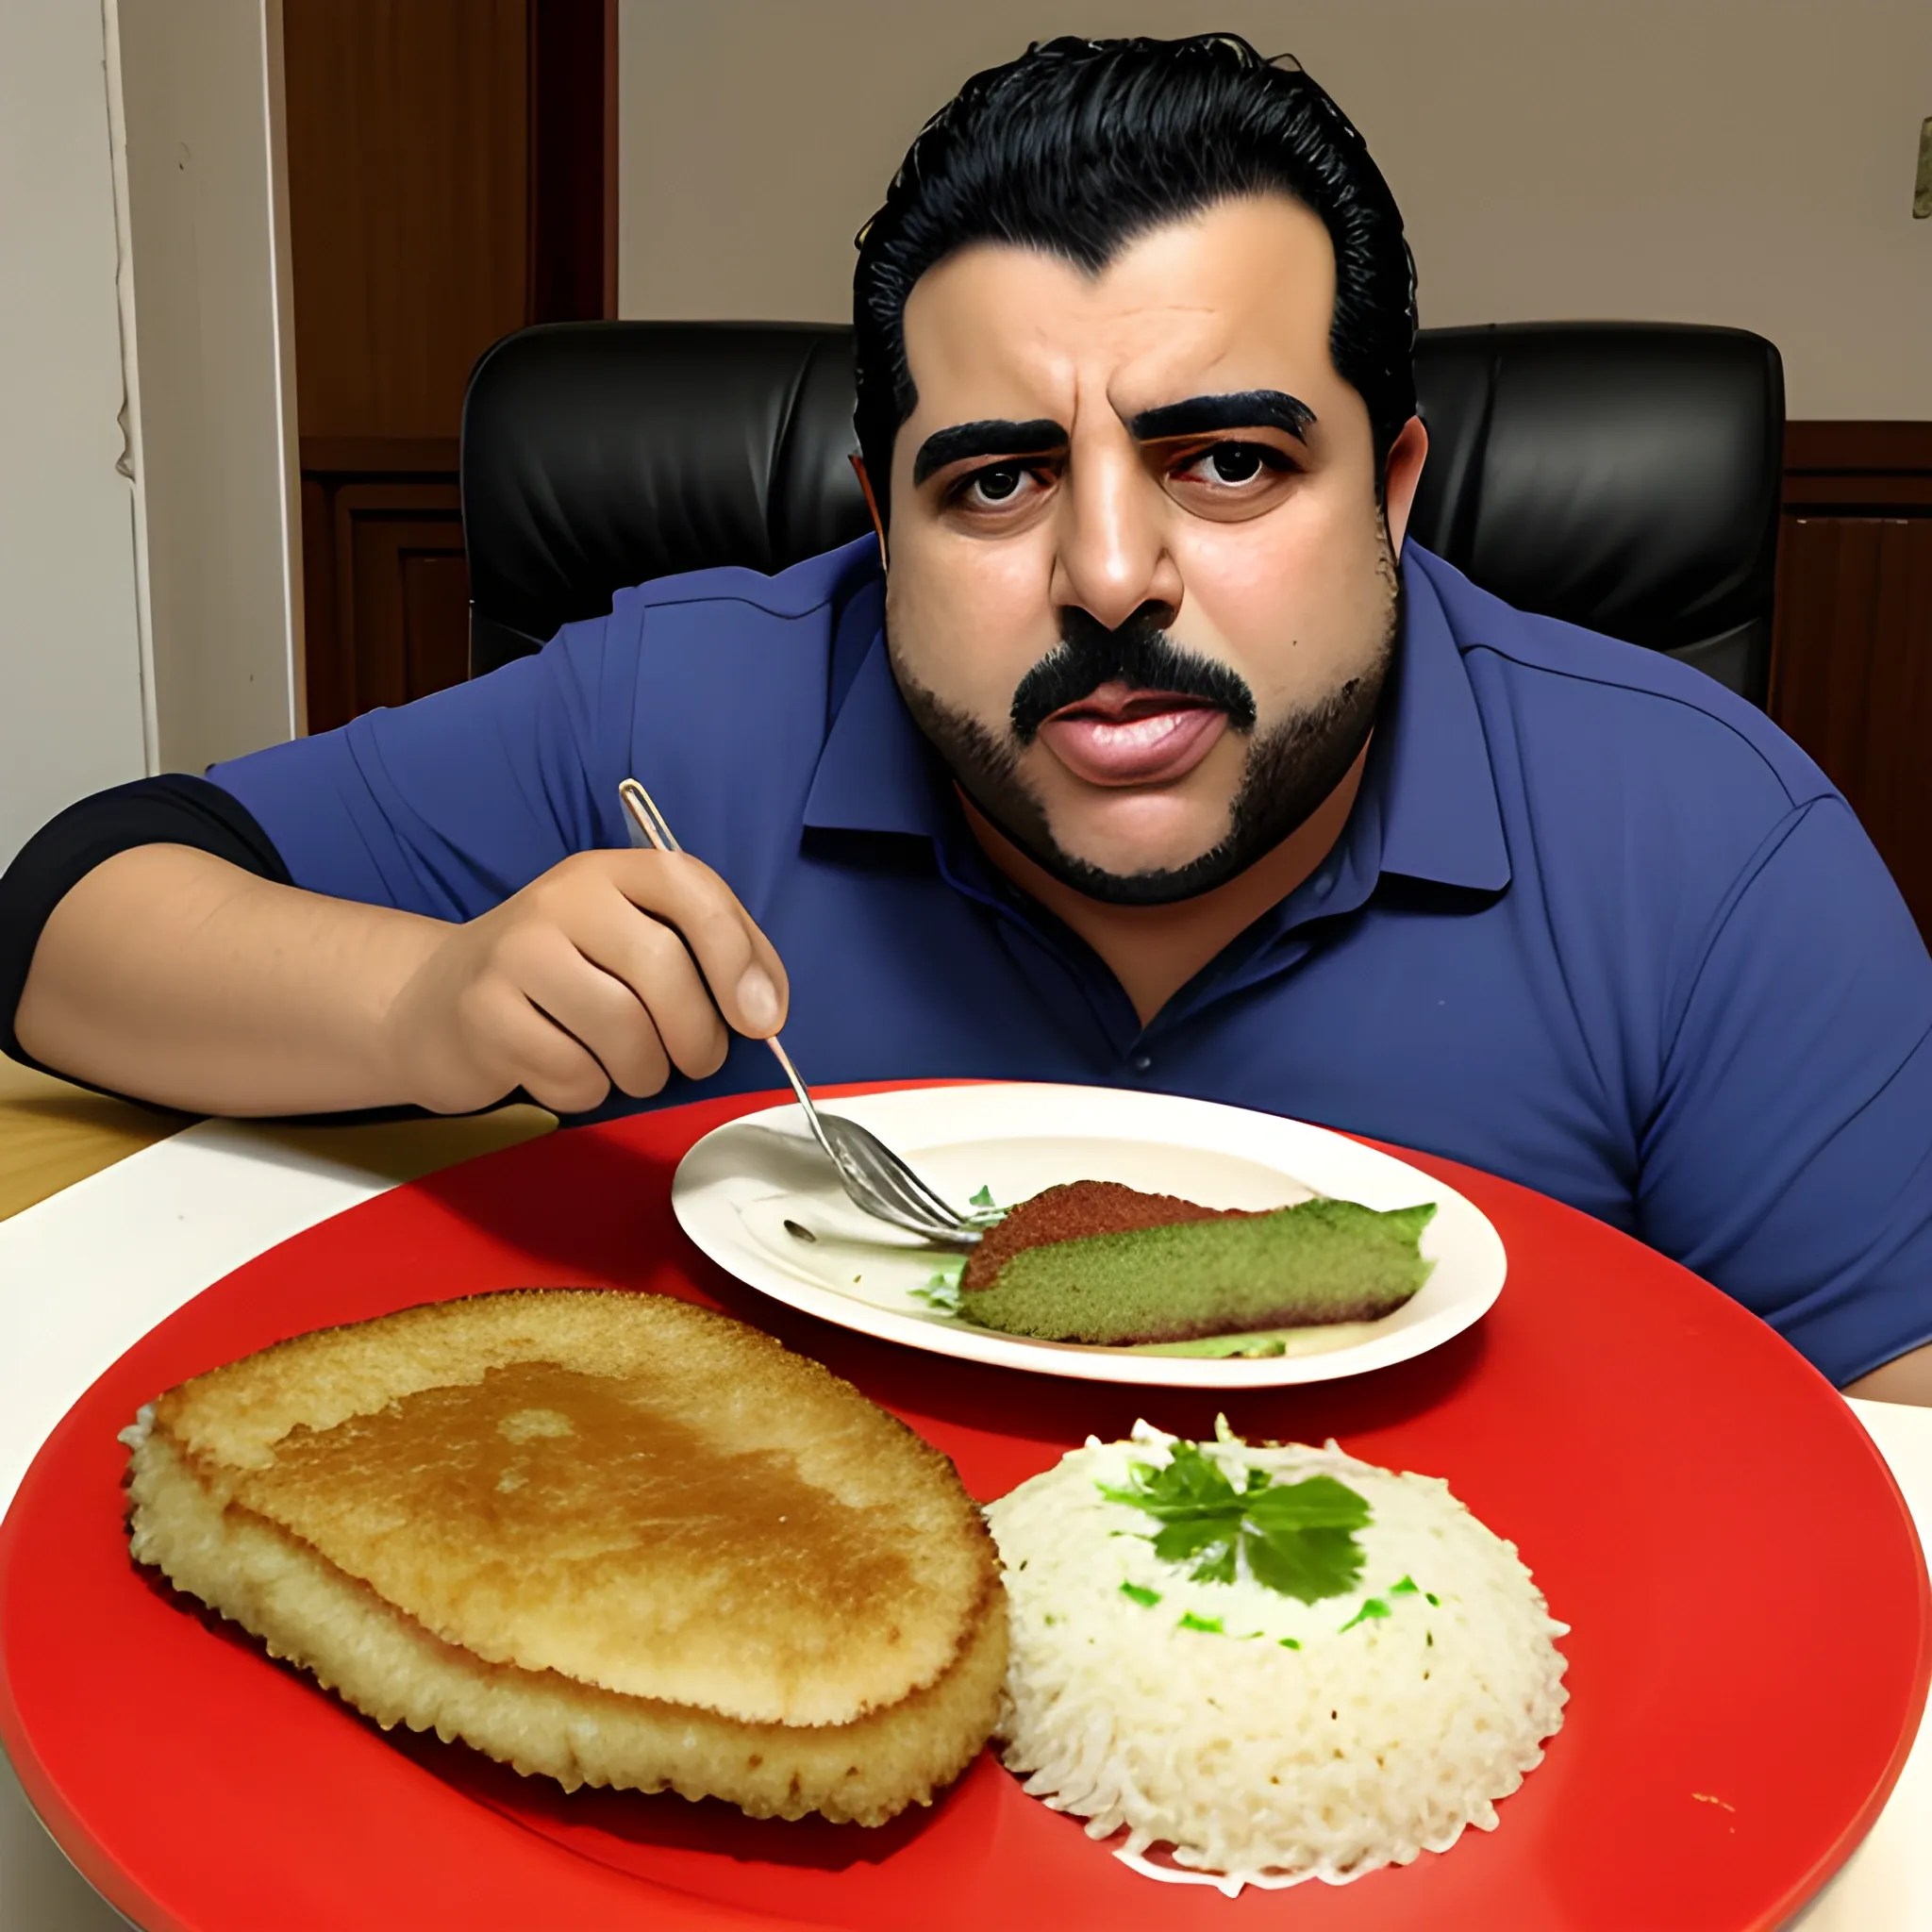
<point x="1139" y="653"/>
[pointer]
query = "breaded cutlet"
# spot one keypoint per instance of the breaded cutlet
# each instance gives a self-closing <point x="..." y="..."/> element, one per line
<point x="612" y="1537"/>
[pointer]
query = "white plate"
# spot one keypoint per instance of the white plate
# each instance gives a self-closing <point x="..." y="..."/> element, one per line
<point x="736" y="1190"/>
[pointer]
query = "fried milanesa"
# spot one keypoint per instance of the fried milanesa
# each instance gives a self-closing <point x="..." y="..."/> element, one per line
<point x="612" y="1537"/>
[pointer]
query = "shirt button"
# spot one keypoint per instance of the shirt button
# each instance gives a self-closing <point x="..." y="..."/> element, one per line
<point x="1141" y="1063"/>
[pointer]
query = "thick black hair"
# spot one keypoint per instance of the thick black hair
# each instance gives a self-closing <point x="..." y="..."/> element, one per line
<point x="1081" y="146"/>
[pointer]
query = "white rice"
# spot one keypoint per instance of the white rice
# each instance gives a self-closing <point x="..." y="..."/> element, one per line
<point x="1233" y="1757"/>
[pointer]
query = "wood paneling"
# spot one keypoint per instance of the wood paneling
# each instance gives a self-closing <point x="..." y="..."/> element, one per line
<point x="408" y="173"/>
<point x="572" y="160"/>
<point x="1821" y="448"/>
<point x="1852" y="658"/>
<point x="451" y="177"/>
<point x="386" y="583"/>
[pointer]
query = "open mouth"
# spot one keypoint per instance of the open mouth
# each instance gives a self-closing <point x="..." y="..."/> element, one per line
<point x="1118" y="736"/>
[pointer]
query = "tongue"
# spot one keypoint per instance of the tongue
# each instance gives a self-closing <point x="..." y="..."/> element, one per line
<point x="1133" y="738"/>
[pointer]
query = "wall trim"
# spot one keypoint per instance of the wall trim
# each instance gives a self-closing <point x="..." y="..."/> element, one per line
<point x="130" y="463"/>
<point x="1820" y="446"/>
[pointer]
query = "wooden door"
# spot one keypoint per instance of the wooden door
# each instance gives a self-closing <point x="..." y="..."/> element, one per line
<point x="450" y="179"/>
<point x="1852" y="658"/>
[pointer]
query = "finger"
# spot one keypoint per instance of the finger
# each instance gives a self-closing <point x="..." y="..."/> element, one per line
<point x="738" y="963"/>
<point x="527" y="1049"/>
<point x="600" y="1012"/>
<point x="650" y="964"/>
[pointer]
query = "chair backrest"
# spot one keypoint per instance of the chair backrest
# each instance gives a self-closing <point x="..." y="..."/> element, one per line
<point x="1622" y="476"/>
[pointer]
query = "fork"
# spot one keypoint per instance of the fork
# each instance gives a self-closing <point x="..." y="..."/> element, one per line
<point x="873" y="1177"/>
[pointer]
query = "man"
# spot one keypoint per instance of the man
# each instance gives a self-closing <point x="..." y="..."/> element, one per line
<point x="1131" y="754"/>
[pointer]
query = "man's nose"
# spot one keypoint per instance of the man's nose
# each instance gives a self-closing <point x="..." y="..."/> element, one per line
<point x="1112" y="555"/>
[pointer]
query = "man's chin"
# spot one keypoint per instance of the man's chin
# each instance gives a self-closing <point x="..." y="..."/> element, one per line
<point x="1127" y="855"/>
<point x="1118" y="868"/>
<point x="1158" y="885"/>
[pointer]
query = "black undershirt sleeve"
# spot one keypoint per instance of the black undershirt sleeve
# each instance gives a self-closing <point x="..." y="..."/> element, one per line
<point x="172" y="809"/>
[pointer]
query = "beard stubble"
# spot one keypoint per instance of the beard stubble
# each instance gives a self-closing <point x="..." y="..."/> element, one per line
<point x="1291" y="766"/>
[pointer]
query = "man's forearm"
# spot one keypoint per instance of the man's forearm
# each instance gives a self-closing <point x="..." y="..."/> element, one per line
<point x="176" y="977"/>
<point x="1906" y="1379"/>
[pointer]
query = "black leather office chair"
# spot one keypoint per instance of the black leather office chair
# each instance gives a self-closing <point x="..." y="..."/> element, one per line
<point x="1622" y="476"/>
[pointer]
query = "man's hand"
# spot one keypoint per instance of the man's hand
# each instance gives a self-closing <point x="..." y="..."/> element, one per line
<point x="174" y="976"/>
<point x="609" y="970"/>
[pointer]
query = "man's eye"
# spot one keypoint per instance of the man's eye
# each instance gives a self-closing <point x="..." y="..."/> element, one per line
<point x="1230" y="463"/>
<point x="995" y="485"/>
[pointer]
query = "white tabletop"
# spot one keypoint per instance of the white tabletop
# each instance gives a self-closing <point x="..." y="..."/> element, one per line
<point x="87" y="1273"/>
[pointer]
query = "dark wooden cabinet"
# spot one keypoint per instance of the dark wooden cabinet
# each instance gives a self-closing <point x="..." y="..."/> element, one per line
<point x="451" y="178"/>
<point x="386" y="588"/>
<point x="1851" y="674"/>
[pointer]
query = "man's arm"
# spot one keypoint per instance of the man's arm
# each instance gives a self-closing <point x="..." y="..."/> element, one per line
<point x="177" y="977"/>
<point x="469" y="920"/>
<point x="1788" y="1155"/>
<point x="1908" y="1378"/>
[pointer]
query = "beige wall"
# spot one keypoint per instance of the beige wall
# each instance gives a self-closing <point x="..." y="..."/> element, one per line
<point x="70" y="641"/>
<point x="146" y="568"/>
<point x="1743" y="162"/>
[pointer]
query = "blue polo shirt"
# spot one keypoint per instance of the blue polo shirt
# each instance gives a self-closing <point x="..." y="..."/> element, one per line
<point x="1595" y="923"/>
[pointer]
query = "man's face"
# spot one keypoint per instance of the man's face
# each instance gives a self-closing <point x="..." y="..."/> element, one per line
<point x="1141" y="596"/>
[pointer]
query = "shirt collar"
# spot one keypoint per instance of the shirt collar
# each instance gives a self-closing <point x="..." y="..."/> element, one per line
<point x="1440" y="816"/>
<point x="874" y="773"/>
<point x="1434" y="794"/>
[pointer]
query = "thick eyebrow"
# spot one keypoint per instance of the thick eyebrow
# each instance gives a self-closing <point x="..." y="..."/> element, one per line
<point x="1244" y="408"/>
<point x="992" y="438"/>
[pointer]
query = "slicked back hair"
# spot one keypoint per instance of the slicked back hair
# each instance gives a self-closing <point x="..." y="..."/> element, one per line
<point x="1081" y="146"/>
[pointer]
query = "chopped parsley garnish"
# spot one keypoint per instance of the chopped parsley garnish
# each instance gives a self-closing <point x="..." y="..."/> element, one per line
<point x="1139" y="1593"/>
<point x="982" y="1210"/>
<point x="941" y="1289"/>
<point x="1211" y="1625"/>
<point x="1405" y="1587"/>
<point x="1372" y="1607"/>
<point x="1294" y="1538"/>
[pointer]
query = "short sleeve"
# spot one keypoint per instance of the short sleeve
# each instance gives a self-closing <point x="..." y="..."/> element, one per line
<point x="447" y="806"/>
<point x="173" y="809"/>
<point x="1790" y="1158"/>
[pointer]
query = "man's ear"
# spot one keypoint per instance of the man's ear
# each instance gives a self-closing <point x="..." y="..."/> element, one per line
<point x="871" y="503"/>
<point x="1399" y="479"/>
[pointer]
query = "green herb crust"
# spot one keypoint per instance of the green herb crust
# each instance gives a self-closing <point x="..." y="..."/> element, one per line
<point x="1317" y="1262"/>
